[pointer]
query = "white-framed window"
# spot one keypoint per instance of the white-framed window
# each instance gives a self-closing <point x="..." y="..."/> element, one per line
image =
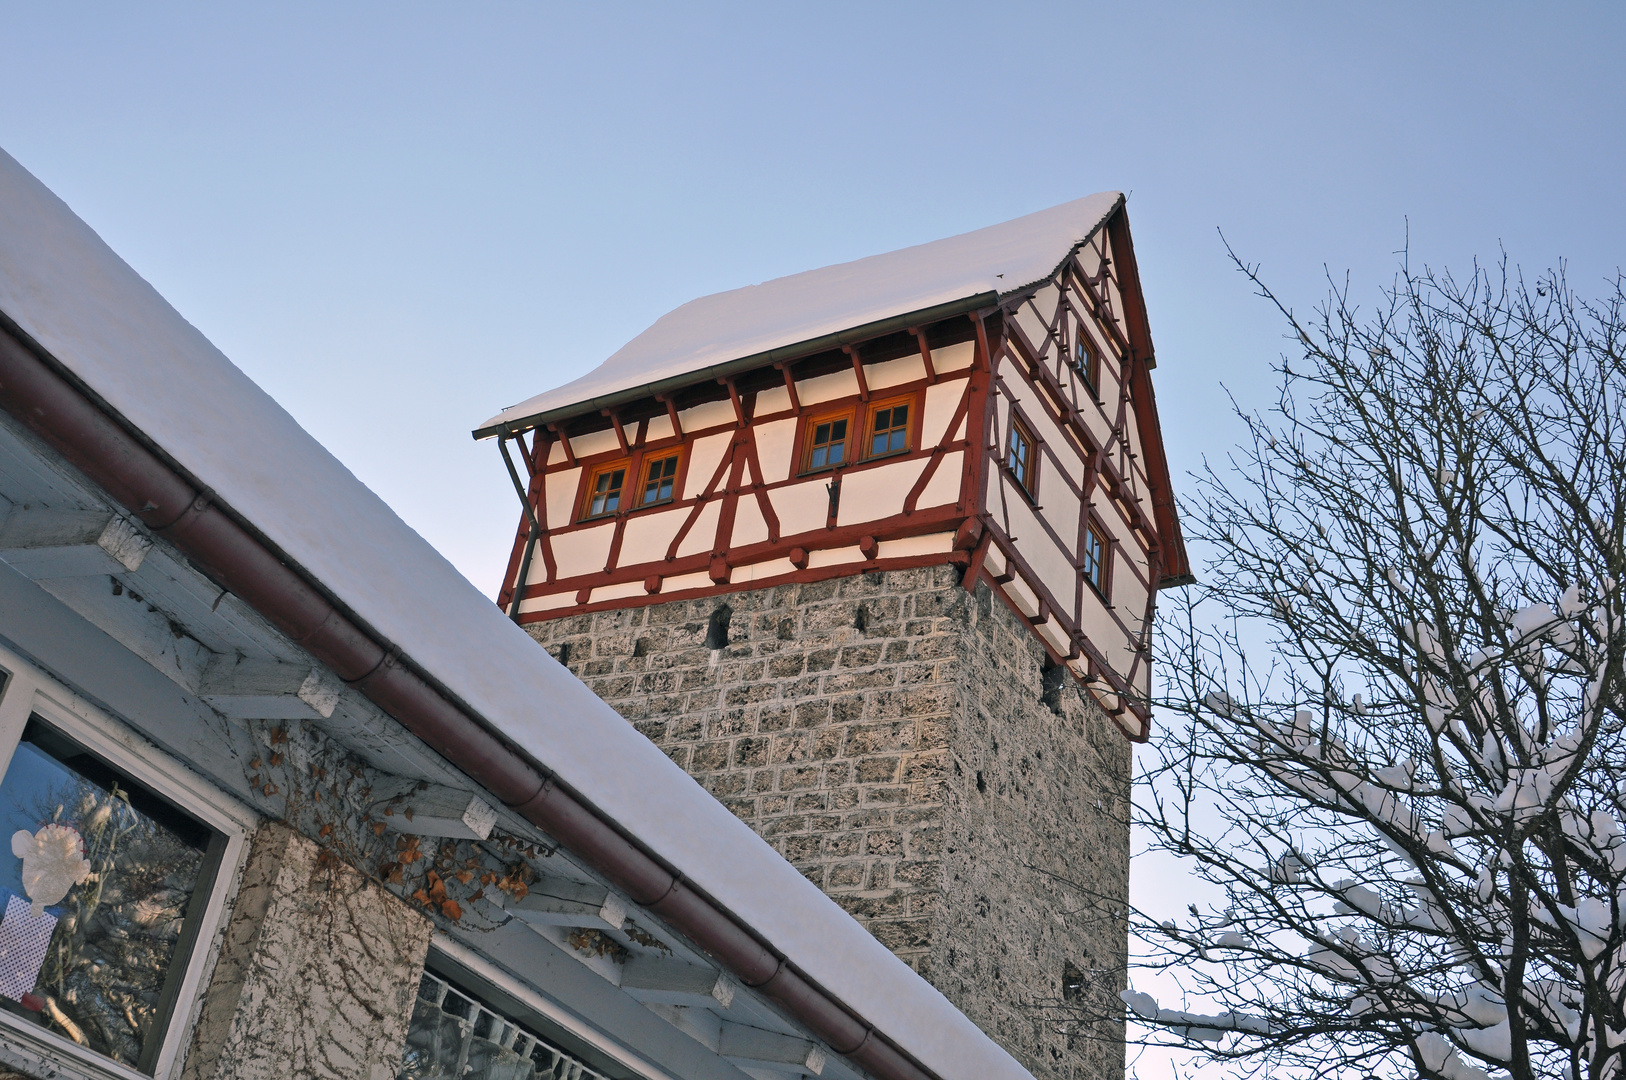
<point x="108" y="915"/>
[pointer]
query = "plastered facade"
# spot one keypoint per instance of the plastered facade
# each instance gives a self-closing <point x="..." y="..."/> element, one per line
<point x="886" y="733"/>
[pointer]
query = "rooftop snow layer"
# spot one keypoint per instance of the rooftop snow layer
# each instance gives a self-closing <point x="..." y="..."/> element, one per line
<point x="68" y="290"/>
<point x="803" y="307"/>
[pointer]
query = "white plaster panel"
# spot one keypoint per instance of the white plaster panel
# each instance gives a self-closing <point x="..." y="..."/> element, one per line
<point x="680" y="582"/>
<point x="617" y="592"/>
<point x="954" y="357"/>
<point x="750" y="527"/>
<point x="556" y="453"/>
<point x="929" y="544"/>
<point x="801" y="507"/>
<point x="905" y="369"/>
<point x="704" y="456"/>
<point x="834" y="556"/>
<point x="1034" y="325"/>
<point x="776" y="448"/>
<point x="838" y="384"/>
<point x="1053" y="566"/>
<point x="761" y="571"/>
<point x="772" y="400"/>
<point x="595" y="442"/>
<point x="944" y="486"/>
<point x="704" y="534"/>
<point x="548" y="603"/>
<point x="1051" y="479"/>
<point x="869" y="494"/>
<point x="941" y="401"/>
<point x="560" y="504"/>
<point x="647" y="536"/>
<point x="583" y="551"/>
<point x="708" y="415"/>
<point x="1023" y="597"/>
<point x="659" y="427"/>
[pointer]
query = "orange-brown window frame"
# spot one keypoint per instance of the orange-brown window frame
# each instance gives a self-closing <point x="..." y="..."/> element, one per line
<point x="1087" y="366"/>
<point x="1101" y="580"/>
<point x="810" y="431"/>
<point x="675" y="456"/>
<point x="1027" y="478"/>
<point x="911" y="402"/>
<point x="590" y="489"/>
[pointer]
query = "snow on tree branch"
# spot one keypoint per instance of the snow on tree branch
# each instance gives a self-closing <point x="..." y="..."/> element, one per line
<point x="1393" y="726"/>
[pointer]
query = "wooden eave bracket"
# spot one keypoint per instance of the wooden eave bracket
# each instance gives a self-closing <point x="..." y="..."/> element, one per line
<point x="858" y="369"/>
<point x="620" y="432"/>
<point x="925" y="352"/>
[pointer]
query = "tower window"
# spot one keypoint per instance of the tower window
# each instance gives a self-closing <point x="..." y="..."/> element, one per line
<point x="604" y="490"/>
<point x="1086" y="363"/>
<point x="1019" y="457"/>
<point x="660" y="478"/>
<point x="889" y="428"/>
<point x="1095" y="558"/>
<point x="827" y="442"/>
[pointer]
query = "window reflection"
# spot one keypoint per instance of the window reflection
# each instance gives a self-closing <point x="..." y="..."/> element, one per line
<point x="101" y="964"/>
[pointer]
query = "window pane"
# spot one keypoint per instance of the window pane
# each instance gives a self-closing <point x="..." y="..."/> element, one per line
<point x="838" y="431"/>
<point x="835" y="453"/>
<point x="821" y="434"/>
<point x="1094" y="550"/>
<point x="93" y="965"/>
<point x="900" y="416"/>
<point x="658" y="485"/>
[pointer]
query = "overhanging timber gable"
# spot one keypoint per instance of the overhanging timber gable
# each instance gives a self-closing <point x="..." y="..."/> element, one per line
<point x="1101" y="449"/>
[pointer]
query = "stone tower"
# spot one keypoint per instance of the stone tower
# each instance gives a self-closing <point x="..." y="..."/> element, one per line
<point x="871" y="552"/>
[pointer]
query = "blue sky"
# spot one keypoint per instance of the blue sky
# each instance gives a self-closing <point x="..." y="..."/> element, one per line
<point x="400" y="218"/>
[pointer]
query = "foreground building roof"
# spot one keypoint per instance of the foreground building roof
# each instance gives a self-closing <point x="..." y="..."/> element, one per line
<point x="95" y="323"/>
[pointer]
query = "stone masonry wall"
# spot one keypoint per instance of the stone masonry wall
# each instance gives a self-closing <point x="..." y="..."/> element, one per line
<point x="885" y="733"/>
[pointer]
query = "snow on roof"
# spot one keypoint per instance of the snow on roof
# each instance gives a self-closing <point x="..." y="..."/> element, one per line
<point x="788" y="311"/>
<point x="62" y="285"/>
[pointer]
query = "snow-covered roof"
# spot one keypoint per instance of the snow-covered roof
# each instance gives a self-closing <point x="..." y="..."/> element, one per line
<point x="63" y="286"/>
<point x="796" y="313"/>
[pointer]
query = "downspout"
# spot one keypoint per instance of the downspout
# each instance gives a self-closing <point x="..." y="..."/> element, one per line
<point x="34" y="392"/>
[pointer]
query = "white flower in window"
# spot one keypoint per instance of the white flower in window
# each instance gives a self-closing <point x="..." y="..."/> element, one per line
<point x="53" y="862"/>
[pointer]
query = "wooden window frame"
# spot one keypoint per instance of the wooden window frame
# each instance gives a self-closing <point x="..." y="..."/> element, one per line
<point x="911" y="434"/>
<point x="1094" y="528"/>
<point x="1090" y="371"/>
<point x="1028" y="482"/>
<point x="644" y="460"/>
<point x="590" y="475"/>
<point x="810" y="426"/>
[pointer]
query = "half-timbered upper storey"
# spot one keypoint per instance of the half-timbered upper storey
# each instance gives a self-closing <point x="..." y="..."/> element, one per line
<point x="983" y="400"/>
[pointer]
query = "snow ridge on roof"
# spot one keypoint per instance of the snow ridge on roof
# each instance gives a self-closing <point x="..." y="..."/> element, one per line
<point x="65" y="288"/>
<point x="727" y="326"/>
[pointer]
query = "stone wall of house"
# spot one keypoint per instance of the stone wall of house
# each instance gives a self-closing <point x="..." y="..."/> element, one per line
<point x="317" y="972"/>
<point x="885" y="732"/>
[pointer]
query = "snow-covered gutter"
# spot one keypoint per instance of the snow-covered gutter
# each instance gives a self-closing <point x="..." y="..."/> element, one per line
<point x="38" y="392"/>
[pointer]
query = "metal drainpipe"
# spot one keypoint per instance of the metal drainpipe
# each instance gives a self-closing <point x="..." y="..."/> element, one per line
<point x="34" y="392"/>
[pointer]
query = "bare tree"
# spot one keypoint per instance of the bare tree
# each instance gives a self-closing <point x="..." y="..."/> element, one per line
<point x="1393" y="733"/>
